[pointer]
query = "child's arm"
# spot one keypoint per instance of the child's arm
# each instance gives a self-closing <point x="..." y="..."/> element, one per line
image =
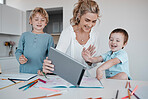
<point x="20" y="49"/>
<point x="108" y="64"/>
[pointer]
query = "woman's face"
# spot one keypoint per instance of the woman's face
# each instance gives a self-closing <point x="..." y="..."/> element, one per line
<point x="87" y="21"/>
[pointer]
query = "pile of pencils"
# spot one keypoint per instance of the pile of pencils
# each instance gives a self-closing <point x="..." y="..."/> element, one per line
<point x="29" y="85"/>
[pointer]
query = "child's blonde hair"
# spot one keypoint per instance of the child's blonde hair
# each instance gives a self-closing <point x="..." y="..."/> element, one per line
<point x="40" y="11"/>
<point x="81" y="8"/>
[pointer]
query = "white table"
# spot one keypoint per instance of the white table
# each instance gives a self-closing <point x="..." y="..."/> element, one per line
<point x="108" y="92"/>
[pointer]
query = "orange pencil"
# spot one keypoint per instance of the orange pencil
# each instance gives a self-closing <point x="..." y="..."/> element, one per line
<point x="33" y="84"/>
<point x="126" y="84"/>
<point x="129" y="85"/>
<point x="129" y="96"/>
<point x="33" y="81"/>
<point x="4" y="79"/>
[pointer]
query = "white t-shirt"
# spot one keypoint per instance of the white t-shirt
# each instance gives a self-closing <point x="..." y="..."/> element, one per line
<point x="69" y="45"/>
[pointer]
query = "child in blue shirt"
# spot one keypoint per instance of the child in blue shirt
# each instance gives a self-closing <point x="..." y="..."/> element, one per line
<point x="34" y="46"/>
<point x="116" y="60"/>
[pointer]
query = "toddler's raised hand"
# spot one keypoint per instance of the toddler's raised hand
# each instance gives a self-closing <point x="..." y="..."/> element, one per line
<point x="87" y="53"/>
<point x="22" y="59"/>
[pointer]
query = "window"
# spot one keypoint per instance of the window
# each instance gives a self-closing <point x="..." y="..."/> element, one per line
<point x="3" y="1"/>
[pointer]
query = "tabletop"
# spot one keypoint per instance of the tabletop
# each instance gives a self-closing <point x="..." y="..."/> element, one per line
<point x="108" y="92"/>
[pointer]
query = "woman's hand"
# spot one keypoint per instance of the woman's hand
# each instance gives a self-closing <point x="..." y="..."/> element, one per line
<point x="22" y="59"/>
<point x="99" y="74"/>
<point x="48" y="67"/>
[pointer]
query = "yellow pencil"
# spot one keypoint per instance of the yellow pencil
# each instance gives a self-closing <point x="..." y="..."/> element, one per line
<point x="10" y="85"/>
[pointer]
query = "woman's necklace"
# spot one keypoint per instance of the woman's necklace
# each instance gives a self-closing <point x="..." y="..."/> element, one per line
<point x="82" y="40"/>
<point x="81" y="37"/>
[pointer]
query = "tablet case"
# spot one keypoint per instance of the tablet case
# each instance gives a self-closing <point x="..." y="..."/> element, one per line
<point x="67" y="67"/>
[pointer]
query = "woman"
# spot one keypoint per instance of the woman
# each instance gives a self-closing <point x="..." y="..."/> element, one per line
<point x="79" y="34"/>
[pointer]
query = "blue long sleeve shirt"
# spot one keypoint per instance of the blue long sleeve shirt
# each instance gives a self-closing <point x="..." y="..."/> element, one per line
<point x="35" y="47"/>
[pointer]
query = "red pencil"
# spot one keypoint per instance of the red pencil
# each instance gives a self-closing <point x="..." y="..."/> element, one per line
<point x="42" y="80"/>
<point x="33" y="84"/>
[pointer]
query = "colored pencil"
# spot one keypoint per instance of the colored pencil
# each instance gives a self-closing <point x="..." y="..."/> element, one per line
<point x="134" y="90"/>
<point x="33" y="81"/>
<point x="42" y="80"/>
<point x="10" y="85"/>
<point x="129" y="85"/>
<point x="44" y="74"/>
<point x="117" y="94"/>
<point x="46" y="96"/>
<point x="49" y="89"/>
<point x="126" y="84"/>
<point x="11" y="80"/>
<point x="134" y="94"/>
<point x="25" y="86"/>
<point x="129" y="96"/>
<point x="33" y="84"/>
<point x="28" y="86"/>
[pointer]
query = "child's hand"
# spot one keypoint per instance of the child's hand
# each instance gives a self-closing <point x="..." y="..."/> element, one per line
<point x="22" y="59"/>
<point x="87" y="53"/>
<point x="99" y="74"/>
<point x="40" y="73"/>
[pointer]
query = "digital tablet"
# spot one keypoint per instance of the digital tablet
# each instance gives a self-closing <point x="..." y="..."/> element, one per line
<point x="67" y="67"/>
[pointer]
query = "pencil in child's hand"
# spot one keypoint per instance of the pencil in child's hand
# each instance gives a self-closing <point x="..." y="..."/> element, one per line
<point x="44" y="74"/>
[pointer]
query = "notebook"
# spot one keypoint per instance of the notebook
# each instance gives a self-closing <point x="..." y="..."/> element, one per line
<point x="58" y="82"/>
<point x="67" y="67"/>
<point x="19" y="77"/>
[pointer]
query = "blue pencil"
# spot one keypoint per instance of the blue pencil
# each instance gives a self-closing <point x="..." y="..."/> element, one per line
<point x="25" y="86"/>
<point x="28" y="86"/>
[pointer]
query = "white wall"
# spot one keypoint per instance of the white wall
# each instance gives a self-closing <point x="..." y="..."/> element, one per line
<point x="128" y="14"/>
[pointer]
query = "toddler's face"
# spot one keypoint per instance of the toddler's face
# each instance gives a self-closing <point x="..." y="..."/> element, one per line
<point x="87" y="21"/>
<point x="116" y="42"/>
<point x="38" y="22"/>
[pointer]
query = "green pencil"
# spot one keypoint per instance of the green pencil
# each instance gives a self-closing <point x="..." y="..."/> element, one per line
<point x="44" y="74"/>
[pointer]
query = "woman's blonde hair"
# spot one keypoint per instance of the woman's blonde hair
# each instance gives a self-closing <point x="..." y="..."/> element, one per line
<point x="81" y="8"/>
<point x="40" y="11"/>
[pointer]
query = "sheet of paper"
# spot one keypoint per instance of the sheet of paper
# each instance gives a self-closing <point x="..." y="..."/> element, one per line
<point x="20" y="76"/>
<point x="58" y="82"/>
<point x="53" y="81"/>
